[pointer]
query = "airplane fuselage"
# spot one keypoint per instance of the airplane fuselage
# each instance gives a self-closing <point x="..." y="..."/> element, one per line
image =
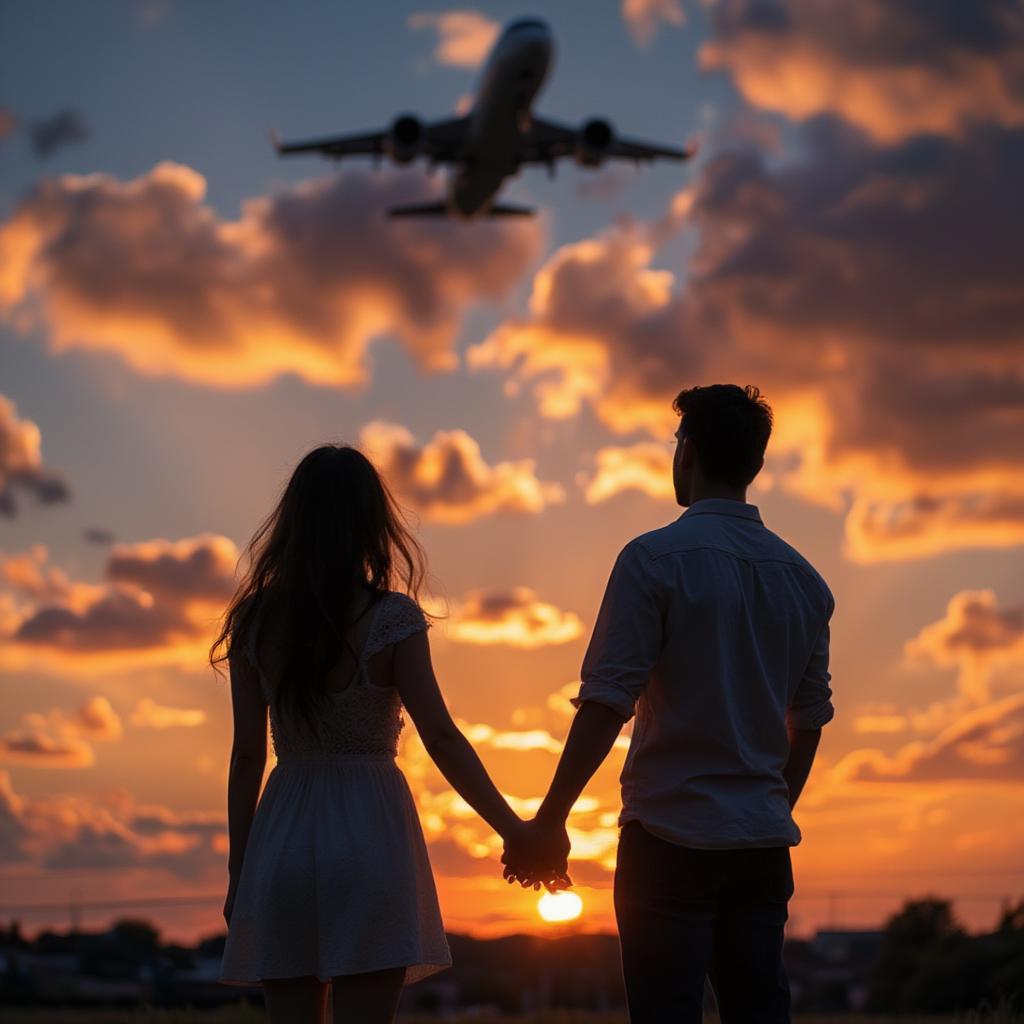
<point x="513" y="76"/>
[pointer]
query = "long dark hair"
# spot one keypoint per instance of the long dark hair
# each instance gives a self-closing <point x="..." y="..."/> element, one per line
<point x="336" y="530"/>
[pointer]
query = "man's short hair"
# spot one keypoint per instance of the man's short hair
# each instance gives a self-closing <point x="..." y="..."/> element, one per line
<point x="729" y="426"/>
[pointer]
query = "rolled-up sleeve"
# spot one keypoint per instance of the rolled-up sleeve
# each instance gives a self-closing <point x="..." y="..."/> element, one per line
<point x="627" y="638"/>
<point x="812" y="703"/>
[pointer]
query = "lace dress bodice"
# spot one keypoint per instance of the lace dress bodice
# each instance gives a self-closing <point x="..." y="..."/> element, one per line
<point x="364" y="719"/>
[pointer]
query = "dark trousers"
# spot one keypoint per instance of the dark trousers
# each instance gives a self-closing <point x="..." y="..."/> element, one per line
<point x="685" y="913"/>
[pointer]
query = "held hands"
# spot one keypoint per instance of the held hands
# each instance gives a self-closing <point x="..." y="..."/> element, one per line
<point x="537" y="854"/>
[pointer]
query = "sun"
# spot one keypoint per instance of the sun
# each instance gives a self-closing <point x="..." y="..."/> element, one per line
<point x="559" y="906"/>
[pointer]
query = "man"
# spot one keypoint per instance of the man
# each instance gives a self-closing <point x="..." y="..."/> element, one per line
<point x="714" y="632"/>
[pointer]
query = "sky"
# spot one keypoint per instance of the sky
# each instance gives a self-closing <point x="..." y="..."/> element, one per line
<point x="184" y="314"/>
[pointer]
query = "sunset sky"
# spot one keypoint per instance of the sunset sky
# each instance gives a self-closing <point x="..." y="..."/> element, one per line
<point x="184" y="314"/>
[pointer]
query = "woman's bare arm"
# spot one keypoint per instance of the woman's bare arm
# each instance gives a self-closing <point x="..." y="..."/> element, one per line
<point x="248" y="755"/>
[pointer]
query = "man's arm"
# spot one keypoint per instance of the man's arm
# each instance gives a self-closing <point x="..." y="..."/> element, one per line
<point x="624" y="648"/>
<point x="546" y="849"/>
<point x="803" y="743"/>
<point x="811" y="709"/>
<point x="591" y="736"/>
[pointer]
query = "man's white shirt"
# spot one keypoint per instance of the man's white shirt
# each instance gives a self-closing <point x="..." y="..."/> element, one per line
<point x="715" y="633"/>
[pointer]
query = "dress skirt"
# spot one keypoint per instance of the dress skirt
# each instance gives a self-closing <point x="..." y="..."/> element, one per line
<point x="336" y="878"/>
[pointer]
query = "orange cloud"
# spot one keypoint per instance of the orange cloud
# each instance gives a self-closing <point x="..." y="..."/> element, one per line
<point x="464" y="38"/>
<point x="447" y="478"/>
<point x="107" y="834"/>
<point x="21" y="462"/>
<point x="57" y="739"/>
<point x="644" y="17"/>
<point x="13" y="830"/>
<point x="643" y="467"/>
<point x="986" y="744"/>
<point x="98" y="719"/>
<point x="29" y="574"/>
<point x="974" y="636"/>
<point x="155" y="606"/>
<point x="149" y="714"/>
<point x="521" y="740"/>
<point x="578" y="342"/>
<point x="830" y="283"/>
<point x="880" y="718"/>
<point x="234" y="304"/>
<point x="893" y="69"/>
<point x="515" y="617"/>
<point x="38" y="749"/>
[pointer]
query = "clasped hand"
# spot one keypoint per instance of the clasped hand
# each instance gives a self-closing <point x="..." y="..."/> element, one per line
<point x="537" y="854"/>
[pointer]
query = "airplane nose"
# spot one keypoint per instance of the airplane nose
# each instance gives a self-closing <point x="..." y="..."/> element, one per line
<point x="536" y="45"/>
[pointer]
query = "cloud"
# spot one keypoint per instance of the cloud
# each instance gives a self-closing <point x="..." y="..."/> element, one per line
<point x="65" y="831"/>
<point x="986" y="744"/>
<point x="833" y="284"/>
<point x="50" y="134"/>
<point x="21" y="461"/>
<point x="38" y="749"/>
<point x="515" y="617"/>
<point x="98" y="719"/>
<point x="156" y="605"/>
<point x="893" y="67"/>
<point x="113" y="846"/>
<point x="301" y="283"/>
<point x="149" y="714"/>
<point x="644" y="17"/>
<point x="560" y="700"/>
<point x="195" y="568"/>
<point x="8" y="122"/>
<point x="13" y="830"/>
<point x="506" y="739"/>
<point x="58" y="739"/>
<point x="152" y="819"/>
<point x="598" y="331"/>
<point x="464" y="37"/>
<point x="447" y="479"/>
<point x="975" y="636"/>
<point x="880" y="718"/>
<point x="645" y="467"/>
<point x="29" y="574"/>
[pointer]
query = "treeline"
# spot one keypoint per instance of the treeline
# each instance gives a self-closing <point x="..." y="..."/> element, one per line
<point x="928" y="963"/>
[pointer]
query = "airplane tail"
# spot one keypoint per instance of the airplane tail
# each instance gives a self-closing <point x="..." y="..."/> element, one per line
<point x="443" y="210"/>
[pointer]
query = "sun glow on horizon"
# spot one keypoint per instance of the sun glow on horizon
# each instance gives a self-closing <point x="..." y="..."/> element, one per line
<point x="559" y="906"/>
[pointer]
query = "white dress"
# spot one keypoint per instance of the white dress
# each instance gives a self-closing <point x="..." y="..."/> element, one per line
<point x="336" y="877"/>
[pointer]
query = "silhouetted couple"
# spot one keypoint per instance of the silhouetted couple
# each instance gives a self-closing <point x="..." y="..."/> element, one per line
<point x="713" y="632"/>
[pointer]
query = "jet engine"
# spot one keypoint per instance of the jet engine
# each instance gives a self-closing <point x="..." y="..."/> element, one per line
<point x="405" y="138"/>
<point x="593" y="142"/>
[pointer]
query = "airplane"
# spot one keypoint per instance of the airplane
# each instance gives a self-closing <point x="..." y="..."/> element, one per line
<point x="495" y="138"/>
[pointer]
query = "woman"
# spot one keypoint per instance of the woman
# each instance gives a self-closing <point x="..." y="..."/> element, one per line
<point x="330" y="883"/>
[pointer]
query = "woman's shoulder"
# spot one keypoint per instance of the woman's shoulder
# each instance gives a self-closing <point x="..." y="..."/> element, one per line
<point x="400" y="616"/>
<point x="400" y="603"/>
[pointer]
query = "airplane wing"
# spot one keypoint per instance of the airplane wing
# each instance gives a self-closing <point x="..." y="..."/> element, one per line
<point x="335" y="145"/>
<point x="549" y="140"/>
<point x="441" y="142"/>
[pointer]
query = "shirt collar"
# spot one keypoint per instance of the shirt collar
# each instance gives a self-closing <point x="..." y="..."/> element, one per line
<point x="723" y="507"/>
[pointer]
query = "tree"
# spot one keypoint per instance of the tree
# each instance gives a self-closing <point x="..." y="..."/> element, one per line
<point x="918" y="933"/>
